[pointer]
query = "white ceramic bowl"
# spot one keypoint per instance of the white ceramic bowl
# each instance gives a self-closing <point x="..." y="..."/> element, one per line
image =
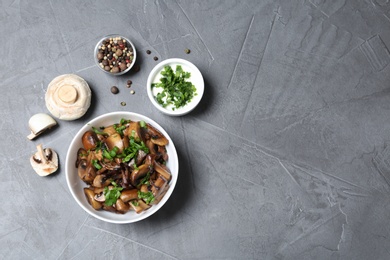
<point x="196" y="79"/>
<point x="113" y="36"/>
<point x="76" y="185"/>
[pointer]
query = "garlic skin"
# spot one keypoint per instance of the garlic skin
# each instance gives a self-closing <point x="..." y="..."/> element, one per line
<point x="39" y="123"/>
<point x="68" y="97"/>
<point x="44" y="161"/>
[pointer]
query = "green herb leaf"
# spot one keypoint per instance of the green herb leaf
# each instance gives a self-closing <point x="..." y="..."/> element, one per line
<point x="96" y="164"/>
<point x="97" y="131"/>
<point x="148" y="197"/>
<point x="113" y="194"/>
<point x="142" y="124"/>
<point x="176" y="90"/>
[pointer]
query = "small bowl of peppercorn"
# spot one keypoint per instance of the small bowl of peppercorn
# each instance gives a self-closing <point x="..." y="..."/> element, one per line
<point x="115" y="54"/>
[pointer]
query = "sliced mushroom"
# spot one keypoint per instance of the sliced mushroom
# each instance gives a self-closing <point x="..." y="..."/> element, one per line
<point x="137" y="174"/>
<point x="138" y="205"/>
<point x="86" y="172"/>
<point x="156" y="136"/>
<point x="162" y="170"/>
<point x="100" y="181"/>
<point x="109" y="130"/>
<point x="90" y="197"/>
<point x="90" y="140"/>
<point x="162" y="152"/>
<point x="128" y="195"/>
<point x="81" y="154"/>
<point x="140" y="157"/>
<point x="39" y="123"/>
<point x="134" y="130"/>
<point x="159" y="186"/>
<point x="44" y="161"/>
<point x="100" y="197"/>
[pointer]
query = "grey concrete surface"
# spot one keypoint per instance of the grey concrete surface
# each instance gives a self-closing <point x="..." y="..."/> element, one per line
<point x="287" y="156"/>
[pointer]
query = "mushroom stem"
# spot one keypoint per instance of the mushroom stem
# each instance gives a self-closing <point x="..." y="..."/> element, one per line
<point x="41" y="153"/>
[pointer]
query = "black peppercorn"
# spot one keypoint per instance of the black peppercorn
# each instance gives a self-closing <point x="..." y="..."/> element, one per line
<point x="114" y="90"/>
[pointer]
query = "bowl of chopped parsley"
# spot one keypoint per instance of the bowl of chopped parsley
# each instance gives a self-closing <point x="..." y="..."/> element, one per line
<point x="121" y="167"/>
<point x="175" y="86"/>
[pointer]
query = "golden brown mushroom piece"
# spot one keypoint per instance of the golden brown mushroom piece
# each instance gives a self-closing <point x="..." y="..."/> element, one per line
<point x="134" y="130"/>
<point x="156" y="136"/>
<point x="86" y="171"/>
<point x="128" y="195"/>
<point x="89" y="140"/>
<point x="121" y="206"/>
<point x="115" y="140"/>
<point x="137" y="174"/>
<point x="90" y="197"/>
<point x="139" y="205"/>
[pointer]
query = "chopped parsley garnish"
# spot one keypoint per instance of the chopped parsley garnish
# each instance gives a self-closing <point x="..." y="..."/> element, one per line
<point x="119" y="128"/>
<point x="132" y="151"/>
<point x="145" y="180"/>
<point x="176" y="90"/>
<point x="96" y="164"/>
<point x="99" y="132"/>
<point x="142" y="124"/>
<point x="148" y="197"/>
<point x="113" y="194"/>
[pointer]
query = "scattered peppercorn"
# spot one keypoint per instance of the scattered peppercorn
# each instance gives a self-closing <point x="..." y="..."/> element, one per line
<point x="115" y="54"/>
<point x="132" y="92"/>
<point x="148" y="52"/>
<point x="114" y="90"/>
<point x="123" y="103"/>
<point x="136" y="68"/>
<point x="155" y="58"/>
<point x="129" y="82"/>
<point x="187" y="51"/>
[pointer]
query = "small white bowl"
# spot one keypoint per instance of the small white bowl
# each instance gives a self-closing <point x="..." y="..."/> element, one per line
<point x="196" y="79"/>
<point x="97" y="50"/>
<point x="76" y="185"/>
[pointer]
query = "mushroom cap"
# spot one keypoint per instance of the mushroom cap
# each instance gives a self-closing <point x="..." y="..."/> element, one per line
<point x="38" y="123"/>
<point x="68" y="97"/>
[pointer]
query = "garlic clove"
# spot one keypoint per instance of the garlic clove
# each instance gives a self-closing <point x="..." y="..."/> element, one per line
<point x="44" y="161"/>
<point x="39" y="123"/>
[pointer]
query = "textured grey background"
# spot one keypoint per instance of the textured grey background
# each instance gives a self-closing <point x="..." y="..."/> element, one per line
<point x="287" y="156"/>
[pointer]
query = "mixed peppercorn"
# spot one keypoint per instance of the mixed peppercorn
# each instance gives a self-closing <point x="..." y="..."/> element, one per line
<point x="115" y="54"/>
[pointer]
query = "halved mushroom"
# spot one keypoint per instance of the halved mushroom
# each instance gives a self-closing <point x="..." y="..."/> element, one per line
<point x="86" y="171"/>
<point x="39" y="123"/>
<point x="81" y="154"/>
<point x="139" y="205"/>
<point x="90" y="197"/>
<point x="151" y="146"/>
<point x="100" y="181"/>
<point x="128" y="195"/>
<point x="100" y="197"/>
<point x="156" y="136"/>
<point x="134" y="130"/>
<point x="114" y="140"/>
<point x="137" y="174"/>
<point x="121" y="206"/>
<point x="109" y="130"/>
<point x="89" y="140"/>
<point x="44" y="161"/>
